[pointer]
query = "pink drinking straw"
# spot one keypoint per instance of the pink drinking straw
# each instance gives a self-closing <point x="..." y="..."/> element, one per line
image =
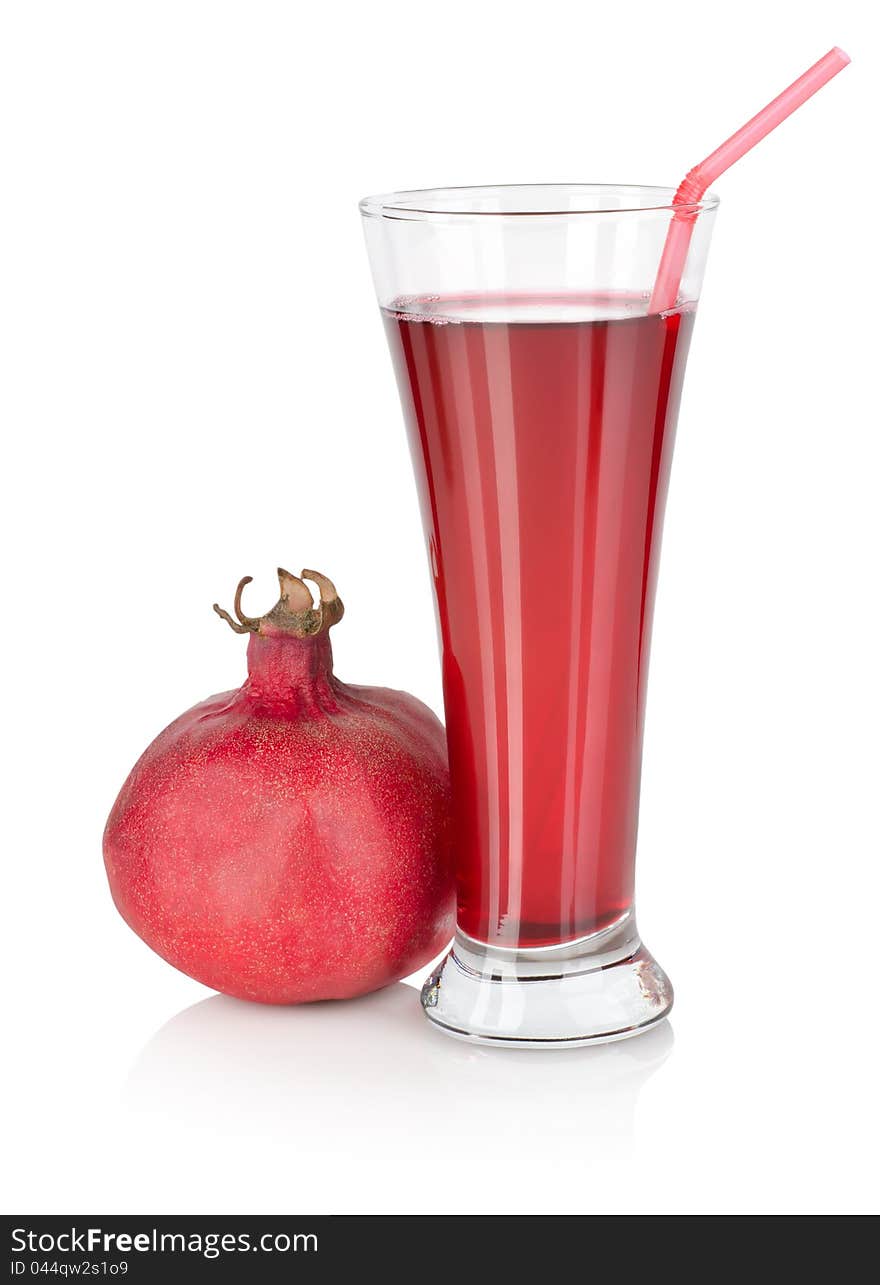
<point x="699" y="179"/>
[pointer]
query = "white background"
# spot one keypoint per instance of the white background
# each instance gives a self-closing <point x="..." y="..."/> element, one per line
<point x="195" y="386"/>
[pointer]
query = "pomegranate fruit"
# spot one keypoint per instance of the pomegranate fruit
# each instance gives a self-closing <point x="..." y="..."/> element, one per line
<point x="289" y="841"/>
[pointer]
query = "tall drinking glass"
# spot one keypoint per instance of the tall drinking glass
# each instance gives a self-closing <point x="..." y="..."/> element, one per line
<point x="540" y="395"/>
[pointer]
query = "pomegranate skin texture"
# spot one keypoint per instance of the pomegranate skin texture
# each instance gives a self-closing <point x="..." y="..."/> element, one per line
<point x="289" y="841"/>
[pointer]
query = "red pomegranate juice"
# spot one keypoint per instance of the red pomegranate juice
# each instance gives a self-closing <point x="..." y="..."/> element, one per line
<point x="542" y="433"/>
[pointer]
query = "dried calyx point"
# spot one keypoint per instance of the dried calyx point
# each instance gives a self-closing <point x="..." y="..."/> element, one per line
<point x="295" y="611"/>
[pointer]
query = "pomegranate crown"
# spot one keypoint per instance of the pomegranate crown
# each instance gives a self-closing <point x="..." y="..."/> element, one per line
<point x="295" y="611"/>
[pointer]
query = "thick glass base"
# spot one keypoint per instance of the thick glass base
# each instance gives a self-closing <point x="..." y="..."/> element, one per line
<point x="599" y="988"/>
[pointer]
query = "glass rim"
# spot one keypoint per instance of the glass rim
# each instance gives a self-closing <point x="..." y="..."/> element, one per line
<point x="425" y="204"/>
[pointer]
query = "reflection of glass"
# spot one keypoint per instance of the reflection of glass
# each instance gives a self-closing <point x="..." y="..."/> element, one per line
<point x="541" y="399"/>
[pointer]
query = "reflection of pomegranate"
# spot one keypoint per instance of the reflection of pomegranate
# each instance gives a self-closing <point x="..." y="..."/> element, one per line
<point x="288" y="841"/>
